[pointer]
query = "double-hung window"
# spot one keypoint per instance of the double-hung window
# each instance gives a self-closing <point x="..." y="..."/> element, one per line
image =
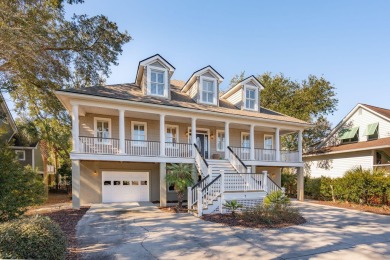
<point x="208" y="91"/>
<point x="20" y="155"/>
<point x="220" y="140"/>
<point x="157" y="84"/>
<point x="250" y="98"/>
<point x="139" y="133"/>
<point x="268" y="142"/>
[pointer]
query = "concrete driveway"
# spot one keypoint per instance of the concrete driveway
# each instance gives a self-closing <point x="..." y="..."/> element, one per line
<point x="141" y="231"/>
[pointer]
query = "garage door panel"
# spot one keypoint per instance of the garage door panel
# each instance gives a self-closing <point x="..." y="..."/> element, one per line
<point x="125" y="186"/>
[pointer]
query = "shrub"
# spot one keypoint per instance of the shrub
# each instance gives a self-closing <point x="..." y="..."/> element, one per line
<point x="232" y="205"/>
<point x="270" y="216"/>
<point x="32" y="238"/>
<point x="19" y="187"/>
<point x="276" y="199"/>
<point x="313" y="187"/>
<point x="289" y="182"/>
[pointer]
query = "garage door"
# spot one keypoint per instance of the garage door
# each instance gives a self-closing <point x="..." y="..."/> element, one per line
<point x="125" y="186"/>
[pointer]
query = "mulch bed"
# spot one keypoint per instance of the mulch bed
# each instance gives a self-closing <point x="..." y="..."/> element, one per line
<point x="229" y="220"/>
<point x="68" y="219"/>
<point x="382" y="210"/>
<point x="174" y="209"/>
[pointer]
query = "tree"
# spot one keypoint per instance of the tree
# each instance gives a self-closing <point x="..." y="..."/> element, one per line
<point x="179" y="175"/>
<point x="309" y="100"/>
<point x="42" y="52"/>
<point x="19" y="187"/>
<point x="233" y="205"/>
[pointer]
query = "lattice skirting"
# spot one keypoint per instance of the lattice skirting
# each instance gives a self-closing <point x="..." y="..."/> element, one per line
<point x="247" y="204"/>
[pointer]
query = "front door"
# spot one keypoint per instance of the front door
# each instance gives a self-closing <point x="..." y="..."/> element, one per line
<point x="202" y="143"/>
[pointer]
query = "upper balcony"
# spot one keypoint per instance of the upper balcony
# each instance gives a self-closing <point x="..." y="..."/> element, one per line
<point x="125" y="135"/>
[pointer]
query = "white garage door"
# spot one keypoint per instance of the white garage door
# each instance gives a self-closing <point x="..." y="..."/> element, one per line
<point x="125" y="186"/>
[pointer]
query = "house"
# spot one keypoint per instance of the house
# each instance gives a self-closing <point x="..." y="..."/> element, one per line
<point x="124" y="136"/>
<point x="27" y="153"/>
<point x="361" y="139"/>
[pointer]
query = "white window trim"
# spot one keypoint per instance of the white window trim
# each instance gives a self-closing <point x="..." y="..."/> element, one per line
<point x="170" y="145"/>
<point x="256" y="108"/>
<point x="24" y="155"/>
<point x="96" y="119"/>
<point x="139" y="142"/>
<point x="149" y="69"/>
<point x="246" y="149"/>
<point x="273" y="144"/>
<point x="201" y="78"/>
<point x="223" y="149"/>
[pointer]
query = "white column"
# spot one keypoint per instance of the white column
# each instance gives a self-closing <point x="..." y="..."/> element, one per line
<point x="300" y="184"/>
<point x="277" y="143"/>
<point x="162" y="135"/>
<point x="163" y="185"/>
<point x="75" y="127"/>
<point x="227" y="139"/>
<point x="75" y="184"/>
<point x="193" y="133"/>
<point x="200" y="202"/>
<point x="189" y="199"/>
<point x="122" y="131"/>
<point x="252" y="142"/>
<point x="265" y="180"/>
<point x="300" y="140"/>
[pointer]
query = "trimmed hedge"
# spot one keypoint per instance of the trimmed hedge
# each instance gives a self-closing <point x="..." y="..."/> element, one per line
<point x="357" y="185"/>
<point x="32" y="238"/>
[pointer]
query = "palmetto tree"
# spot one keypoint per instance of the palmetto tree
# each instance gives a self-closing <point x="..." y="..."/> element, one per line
<point x="179" y="175"/>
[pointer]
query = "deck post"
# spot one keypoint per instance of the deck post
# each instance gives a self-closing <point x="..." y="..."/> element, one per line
<point x="277" y="144"/>
<point x="252" y="142"/>
<point x="200" y="202"/>
<point x="300" y="184"/>
<point x="76" y="184"/>
<point x="227" y="139"/>
<point x="189" y="199"/>
<point x="75" y="127"/>
<point x="265" y="181"/>
<point x="122" y="131"/>
<point x="300" y="140"/>
<point x="162" y="135"/>
<point x="222" y="172"/>
<point x="163" y="185"/>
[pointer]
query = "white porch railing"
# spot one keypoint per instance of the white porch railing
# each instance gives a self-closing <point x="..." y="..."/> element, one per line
<point x="243" y="182"/>
<point x="289" y="156"/>
<point x="193" y="191"/>
<point x="265" y="155"/>
<point x="235" y="161"/>
<point x="97" y="145"/>
<point x="208" y="194"/>
<point x="201" y="163"/>
<point x="178" y="150"/>
<point x="271" y="185"/>
<point x="142" y="148"/>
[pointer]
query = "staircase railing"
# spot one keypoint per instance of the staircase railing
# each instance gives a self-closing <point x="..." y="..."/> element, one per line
<point x="201" y="163"/>
<point x="242" y="182"/>
<point x="193" y="191"/>
<point x="272" y="186"/>
<point x="209" y="193"/>
<point x="236" y="162"/>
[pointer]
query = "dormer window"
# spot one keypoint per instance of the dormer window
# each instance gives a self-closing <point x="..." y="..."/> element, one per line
<point x="157" y="83"/>
<point x="250" y="101"/>
<point x="208" y="91"/>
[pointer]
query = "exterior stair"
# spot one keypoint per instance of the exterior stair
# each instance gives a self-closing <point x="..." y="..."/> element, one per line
<point x="220" y="165"/>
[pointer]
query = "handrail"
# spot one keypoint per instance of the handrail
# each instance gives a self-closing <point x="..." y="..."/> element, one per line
<point x="208" y="185"/>
<point x="274" y="183"/>
<point x="235" y="155"/>
<point x="204" y="160"/>
<point x="96" y="137"/>
<point x="199" y="182"/>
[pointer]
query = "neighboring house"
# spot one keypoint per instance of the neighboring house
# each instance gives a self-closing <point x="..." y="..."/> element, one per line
<point x="26" y="153"/>
<point x="124" y="135"/>
<point x="361" y="139"/>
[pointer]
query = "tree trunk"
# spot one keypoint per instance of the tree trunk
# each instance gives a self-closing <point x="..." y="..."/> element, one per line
<point x="180" y="195"/>
<point x="45" y="154"/>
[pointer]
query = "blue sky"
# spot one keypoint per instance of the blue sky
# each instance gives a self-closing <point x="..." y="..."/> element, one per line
<point x="347" y="42"/>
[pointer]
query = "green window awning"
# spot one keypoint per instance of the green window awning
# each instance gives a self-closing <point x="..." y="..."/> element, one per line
<point x="371" y="128"/>
<point x="348" y="133"/>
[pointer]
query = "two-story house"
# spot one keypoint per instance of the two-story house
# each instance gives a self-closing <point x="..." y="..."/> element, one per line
<point x="28" y="154"/>
<point x="124" y="136"/>
<point x="361" y="139"/>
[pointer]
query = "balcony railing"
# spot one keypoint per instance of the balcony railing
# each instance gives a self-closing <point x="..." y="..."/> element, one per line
<point x="98" y="145"/>
<point x="178" y="150"/>
<point x="265" y="155"/>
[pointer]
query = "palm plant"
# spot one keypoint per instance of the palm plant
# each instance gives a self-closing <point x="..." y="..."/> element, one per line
<point x="276" y="199"/>
<point x="180" y="176"/>
<point x="232" y="205"/>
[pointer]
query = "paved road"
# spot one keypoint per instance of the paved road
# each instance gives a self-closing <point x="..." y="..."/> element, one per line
<point x="141" y="231"/>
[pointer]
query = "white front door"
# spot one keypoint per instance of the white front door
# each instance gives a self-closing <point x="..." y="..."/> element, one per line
<point x="125" y="186"/>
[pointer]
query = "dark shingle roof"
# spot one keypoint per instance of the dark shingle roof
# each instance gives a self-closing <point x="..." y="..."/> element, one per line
<point x="383" y="111"/>
<point x="132" y="92"/>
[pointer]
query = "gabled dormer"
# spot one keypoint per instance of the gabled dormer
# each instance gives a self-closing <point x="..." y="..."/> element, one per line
<point x="245" y="94"/>
<point x="203" y="86"/>
<point x="153" y="76"/>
